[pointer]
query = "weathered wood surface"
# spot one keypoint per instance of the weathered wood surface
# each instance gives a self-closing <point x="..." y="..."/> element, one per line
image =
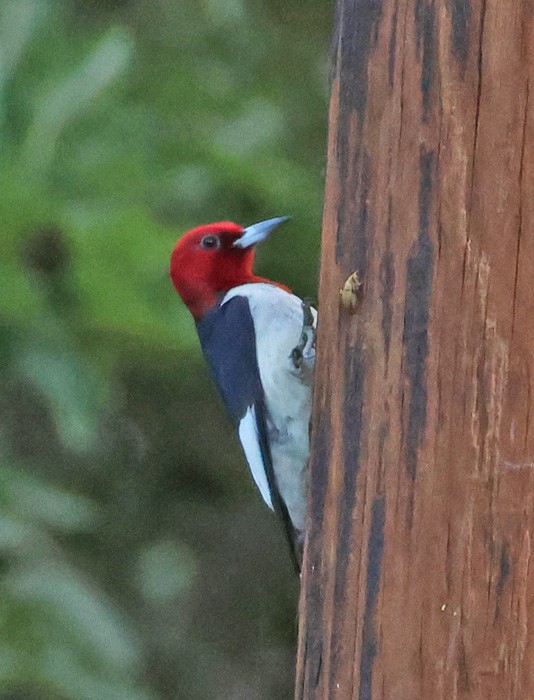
<point x="419" y="580"/>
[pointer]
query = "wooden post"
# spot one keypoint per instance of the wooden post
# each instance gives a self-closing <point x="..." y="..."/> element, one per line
<point x="419" y="580"/>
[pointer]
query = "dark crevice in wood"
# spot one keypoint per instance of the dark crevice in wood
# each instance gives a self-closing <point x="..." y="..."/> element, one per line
<point x="415" y="338"/>
<point x="520" y="212"/>
<point x="478" y="100"/>
<point x="461" y="15"/>
<point x="369" y="636"/>
<point x="392" y="47"/>
<point x="425" y="22"/>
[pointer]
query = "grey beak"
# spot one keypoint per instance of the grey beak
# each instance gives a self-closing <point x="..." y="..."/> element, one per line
<point x="259" y="232"/>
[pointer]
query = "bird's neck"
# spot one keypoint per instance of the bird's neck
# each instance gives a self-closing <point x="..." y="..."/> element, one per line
<point x="201" y="299"/>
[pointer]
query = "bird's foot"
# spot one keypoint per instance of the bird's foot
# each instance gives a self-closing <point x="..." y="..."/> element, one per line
<point x="305" y="350"/>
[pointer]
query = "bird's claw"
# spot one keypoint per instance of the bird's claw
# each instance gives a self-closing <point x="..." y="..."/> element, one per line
<point x="305" y="349"/>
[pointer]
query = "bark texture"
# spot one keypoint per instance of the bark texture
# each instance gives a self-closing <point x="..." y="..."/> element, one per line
<point x="418" y="580"/>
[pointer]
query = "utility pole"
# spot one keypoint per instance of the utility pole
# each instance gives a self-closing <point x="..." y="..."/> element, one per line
<point x="418" y="581"/>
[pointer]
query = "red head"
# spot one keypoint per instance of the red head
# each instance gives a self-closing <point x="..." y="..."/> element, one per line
<point x="209" y="260"/>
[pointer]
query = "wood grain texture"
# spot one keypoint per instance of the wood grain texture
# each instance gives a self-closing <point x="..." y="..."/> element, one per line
<point x="418" y="579"/>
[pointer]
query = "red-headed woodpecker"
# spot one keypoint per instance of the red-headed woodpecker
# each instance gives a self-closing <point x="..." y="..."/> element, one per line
<point x="259" y="343"/>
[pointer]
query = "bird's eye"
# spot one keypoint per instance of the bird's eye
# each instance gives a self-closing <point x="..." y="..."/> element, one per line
<point x="210" y="242"/>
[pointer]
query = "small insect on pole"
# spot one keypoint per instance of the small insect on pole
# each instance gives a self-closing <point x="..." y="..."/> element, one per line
<point x="419" y="579"/>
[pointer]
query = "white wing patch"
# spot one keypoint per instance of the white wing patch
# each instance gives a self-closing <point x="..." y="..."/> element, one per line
<point x="248" y="435"/>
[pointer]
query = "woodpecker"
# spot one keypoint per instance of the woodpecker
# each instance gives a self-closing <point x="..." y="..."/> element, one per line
<point x="259" y="343"/>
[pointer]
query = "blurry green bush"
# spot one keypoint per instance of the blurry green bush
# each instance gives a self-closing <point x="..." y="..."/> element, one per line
<point x="135" y="560"/>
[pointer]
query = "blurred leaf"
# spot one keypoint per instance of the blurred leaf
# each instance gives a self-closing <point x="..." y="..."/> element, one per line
<point x="166" y="569"/>
<point x="78" y="644"/>
<point x="260" y="124"/>
<point x="85" y="618"/>
<point x="39" y="503"/>
<point x="64" y="102"/>
<point x="74" y="390"/>
<point x="19" y="19"/>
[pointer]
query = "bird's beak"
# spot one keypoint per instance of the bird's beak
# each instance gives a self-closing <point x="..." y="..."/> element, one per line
<point x="258" y="232"/>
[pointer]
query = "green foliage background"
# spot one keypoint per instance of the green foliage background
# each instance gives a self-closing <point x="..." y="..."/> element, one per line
<point x="136" y="560"/>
